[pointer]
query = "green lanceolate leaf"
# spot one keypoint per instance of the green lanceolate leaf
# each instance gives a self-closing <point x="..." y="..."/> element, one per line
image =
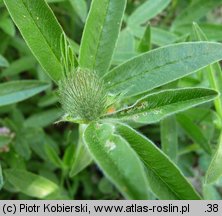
<point x="82" y="156"/>
<point x="31" y="184"/>
<point x="165" y="179"/>
<point x="100" y="34"/>
<point x="36" y="18"/>
<point x="1" y="178"/>
<point x="117" y="160"/>
<point x="154" y="107"/>
<point x="145" y="43"/>
<point x="194" y="132"/>
<point x="16" y="91"/>
<point x="214" y="171"/>
<point x="146" y="11"/>
<point x="161" y="66"/>
<point x="80" y="8"/>
<point x="169" y="137"/>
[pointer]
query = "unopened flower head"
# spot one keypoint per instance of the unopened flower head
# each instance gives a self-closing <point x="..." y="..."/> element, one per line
<point x="83" y="95"/>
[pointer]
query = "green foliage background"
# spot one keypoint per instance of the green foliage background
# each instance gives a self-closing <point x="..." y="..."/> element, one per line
<point x="41" y="158"/>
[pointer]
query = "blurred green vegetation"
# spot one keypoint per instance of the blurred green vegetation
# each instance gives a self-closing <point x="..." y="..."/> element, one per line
<point x="37" y="152"/>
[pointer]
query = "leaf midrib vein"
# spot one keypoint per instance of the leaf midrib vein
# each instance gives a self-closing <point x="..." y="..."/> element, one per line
<point x="153" y="70"/>
<point x="39" y="29"/>
<point x="154" y="171"/>
<point x="100" y="35"/>
<point x="178" y="102"/>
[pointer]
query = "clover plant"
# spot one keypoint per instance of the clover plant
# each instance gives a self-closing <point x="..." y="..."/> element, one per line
<point x="110" y="101"/>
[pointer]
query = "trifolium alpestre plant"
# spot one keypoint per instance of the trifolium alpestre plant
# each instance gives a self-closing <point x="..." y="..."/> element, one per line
<point x="90" y="84"/>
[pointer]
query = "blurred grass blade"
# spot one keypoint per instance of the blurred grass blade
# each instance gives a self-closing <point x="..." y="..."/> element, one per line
<point x="214" y="171"/>
<point x="36" y="18"/>
<point x="100" y="34"/>
<point x="212" y="31"/>
<point x="159" y="37"/>
<point x="25" y="63"/>
<point x="160" y="66"/>
<point x="214" y="72"/>
<point x="117" y="160"/>
<point x="146" y="11"/>
<point x="50" y="98"/>
<point x="80" y="8"/>
<point x="31" y="184"/>
<point x="16" y="91"/>
<point x="67" y="158"/>
<point x="198" y="33"/>
<point x="3" y="62"/>
<point x="194" y="132"/>
<point x="22" y="146"/>
<point x="52" y="156"/>
<point x="44" y="118"/>
<point x="145" y="42"/>
<point x="195" y="11"/>
<point x="7" y="26"/>
<point x="169" y="137"/>
<point x="37" y="139"/>
<point x="82" y="156"/>
<point x="1" y="178"/>
<point x="165" y="179"/>
<point x="154" y="107"/>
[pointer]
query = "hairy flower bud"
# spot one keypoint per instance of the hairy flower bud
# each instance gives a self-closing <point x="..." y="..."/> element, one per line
<point x="83" y="95"/>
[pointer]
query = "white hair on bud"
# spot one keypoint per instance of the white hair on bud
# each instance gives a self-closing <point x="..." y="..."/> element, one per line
<point x="83" y="95"/>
